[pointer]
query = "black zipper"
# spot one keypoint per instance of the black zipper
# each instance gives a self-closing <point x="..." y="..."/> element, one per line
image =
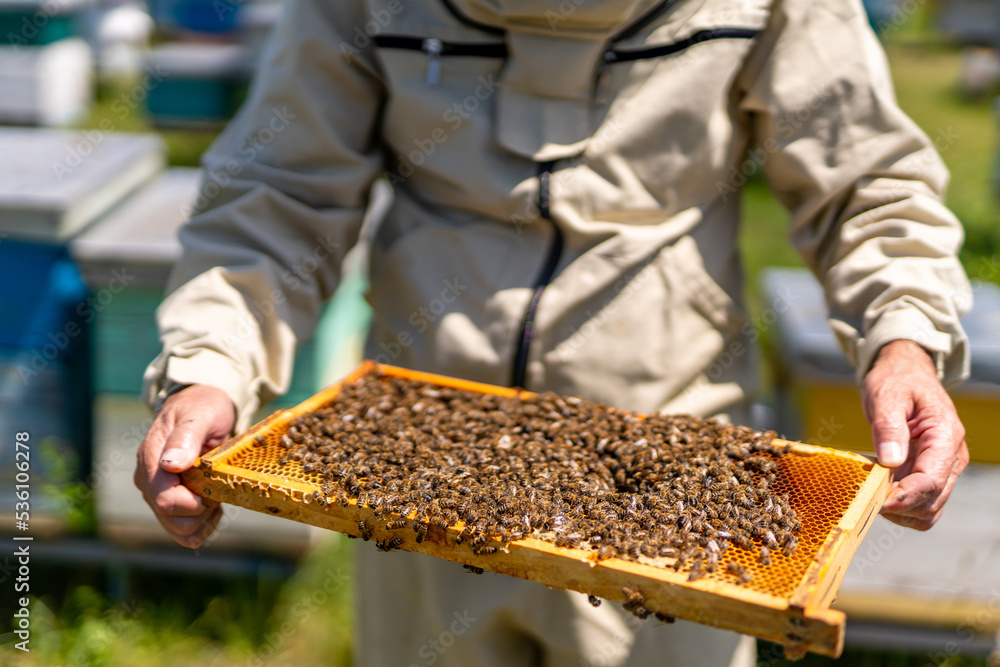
<point x="519" y="370"/>
<point x="483" y="50"/>
<point x="435" y="49"/>
<point x="613" y="56"/>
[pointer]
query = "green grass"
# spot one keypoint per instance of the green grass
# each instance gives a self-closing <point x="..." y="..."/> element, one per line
<point x="172" y="619"/>
<point x="120" y="107"/>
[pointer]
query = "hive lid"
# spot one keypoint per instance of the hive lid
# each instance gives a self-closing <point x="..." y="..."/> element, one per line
<point x="55" y="182"/>
<point x="809" y="348"/>
<point x="835" y="494"/>
<point x="139" y="235"/>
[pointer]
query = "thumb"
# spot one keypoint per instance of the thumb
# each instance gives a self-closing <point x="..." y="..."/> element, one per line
<point x="890" y="431"/>
<point x="184" y="445"/>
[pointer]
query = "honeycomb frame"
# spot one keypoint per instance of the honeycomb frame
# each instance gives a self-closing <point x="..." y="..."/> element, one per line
<point x="836" y="494"/>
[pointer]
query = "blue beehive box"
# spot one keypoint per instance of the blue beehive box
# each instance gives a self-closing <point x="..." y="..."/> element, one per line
<point x="205" y="16"/>
<point x="203" y="84"/>
<point x="37" y="23"/>
<point x="45" y="379"/>
<point x="138" y="240"/>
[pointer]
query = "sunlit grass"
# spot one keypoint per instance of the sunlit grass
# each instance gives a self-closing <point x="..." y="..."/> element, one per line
<point x="305" y="620"/>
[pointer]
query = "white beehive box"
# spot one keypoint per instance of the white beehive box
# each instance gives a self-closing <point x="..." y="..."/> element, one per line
<point x="48" y="85"/>
<point x="53" y="183"/>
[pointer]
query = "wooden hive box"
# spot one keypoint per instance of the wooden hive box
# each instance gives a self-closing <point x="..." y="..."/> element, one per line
<point x="835" y="494"/>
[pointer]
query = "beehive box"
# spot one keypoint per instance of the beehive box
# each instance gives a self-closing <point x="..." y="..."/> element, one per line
<point x="835" y="494"/>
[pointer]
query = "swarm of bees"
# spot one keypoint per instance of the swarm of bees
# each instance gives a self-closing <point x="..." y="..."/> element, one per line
<point x="570" y="471"/>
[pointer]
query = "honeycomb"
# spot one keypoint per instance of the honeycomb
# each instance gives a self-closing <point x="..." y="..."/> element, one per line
<point x="820" y="486"/>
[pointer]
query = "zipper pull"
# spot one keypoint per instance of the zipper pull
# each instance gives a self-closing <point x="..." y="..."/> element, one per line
<point x="603" y="86"/>
<point x="433" y="49"/>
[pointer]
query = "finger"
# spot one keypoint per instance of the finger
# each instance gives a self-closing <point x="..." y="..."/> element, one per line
<point x="165" y="494"/>
<point x="200" y="535"/>
<point x="890" y="430"/>
<point x="184" y="444"/>
<point x="916" y="495"/>
<point x="913" y="492"/>
<point x="171" y="498"/>
<point x="187" y="525"/>
<point x="912" y="522"/>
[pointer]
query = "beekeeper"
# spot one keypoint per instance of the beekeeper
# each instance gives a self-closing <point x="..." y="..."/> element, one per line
<point x="566" y="209"/>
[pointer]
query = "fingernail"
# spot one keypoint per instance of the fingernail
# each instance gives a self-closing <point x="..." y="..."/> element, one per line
<point x="171" y="456"/>
<point x="891" y="454"/>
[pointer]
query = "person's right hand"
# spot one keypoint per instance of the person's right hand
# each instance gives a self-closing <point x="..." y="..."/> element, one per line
<point x="192" y="421"/>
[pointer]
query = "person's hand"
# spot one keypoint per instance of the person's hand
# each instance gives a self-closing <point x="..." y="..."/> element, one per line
<point x="192" y="421"/>
<point x="916" y="431"/>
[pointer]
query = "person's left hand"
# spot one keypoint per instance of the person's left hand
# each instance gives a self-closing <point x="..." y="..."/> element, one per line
<point x="916" y="431"/>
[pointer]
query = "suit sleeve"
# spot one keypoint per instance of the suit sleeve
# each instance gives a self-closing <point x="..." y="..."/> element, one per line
<point x="285" y="189"/>
<point x="862" y="182"/>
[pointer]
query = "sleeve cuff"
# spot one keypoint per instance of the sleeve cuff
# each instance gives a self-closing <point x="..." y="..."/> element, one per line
<point x="206" y="367"/>
<point x="949" y="350"/>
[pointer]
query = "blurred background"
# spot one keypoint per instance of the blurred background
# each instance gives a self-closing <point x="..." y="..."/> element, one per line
<point x="105" y="109"/>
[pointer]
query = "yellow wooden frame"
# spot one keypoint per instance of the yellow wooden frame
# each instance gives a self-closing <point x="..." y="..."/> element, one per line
<point x="802" y="621"/>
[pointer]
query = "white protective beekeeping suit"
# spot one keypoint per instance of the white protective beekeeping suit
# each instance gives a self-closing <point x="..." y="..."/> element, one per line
<point x="566" y="179"/>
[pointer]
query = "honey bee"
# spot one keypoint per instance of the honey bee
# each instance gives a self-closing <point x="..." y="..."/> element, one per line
<point x="594" y="600"/>
<point x="365" y="530"/>
<point x="789" y="548"/>
<point x="697" y="570"/>
<point x="632" y="593"/>
<point x="395" y="524"/>
<point x="473" y="569"/>
<point x="465" y="534"/>
<point x="765" y="556"/>
<point x="421" y="530"/>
